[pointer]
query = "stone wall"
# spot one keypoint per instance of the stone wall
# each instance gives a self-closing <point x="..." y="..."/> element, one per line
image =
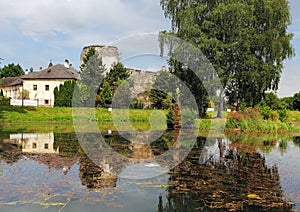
<point x="109" y="54"/>
<point x="142" y="81"/>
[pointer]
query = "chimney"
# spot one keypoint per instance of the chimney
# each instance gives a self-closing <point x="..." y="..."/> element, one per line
<point x="67" y="64"/>
<point x="50" y="64"/>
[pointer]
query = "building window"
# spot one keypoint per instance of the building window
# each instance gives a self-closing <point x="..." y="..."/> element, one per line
<point x="35" y="87"/>
<point x="46" y="146"/>
<point x="47" y="87"/>
<point x="33" y="145"/>
<point x="46" y="102"/>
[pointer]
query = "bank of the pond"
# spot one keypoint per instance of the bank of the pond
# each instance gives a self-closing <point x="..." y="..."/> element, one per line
<point x="61" y="119"/>
<point x="59" y="114"/>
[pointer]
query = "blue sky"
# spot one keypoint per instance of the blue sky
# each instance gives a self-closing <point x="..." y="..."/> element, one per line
<point x="33" y="32"/>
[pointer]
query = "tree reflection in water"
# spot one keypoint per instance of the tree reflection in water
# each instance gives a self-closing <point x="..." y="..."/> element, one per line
<point x="233" y="182"/>
<point x="216" y="175"/>
<point x="93" y="176"/>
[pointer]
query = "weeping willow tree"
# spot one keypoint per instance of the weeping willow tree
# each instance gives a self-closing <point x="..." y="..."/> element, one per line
<point x="245" y="40"/>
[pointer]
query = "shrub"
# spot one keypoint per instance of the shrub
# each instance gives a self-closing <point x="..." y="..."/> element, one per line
<point x="236" y="115"/>
<point x="282" y="114"/>
<point x="265" y="112"/>
<point x="274" y="115"/>
<point x="137" y="103"/>
<point x="188" y="117"/>
<point x="252" y="113"/>
<point x="170" y="119"/>
<point x="4" y="101"/>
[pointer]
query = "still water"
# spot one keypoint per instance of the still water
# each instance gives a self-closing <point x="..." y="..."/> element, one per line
<point x="51" y="172"/>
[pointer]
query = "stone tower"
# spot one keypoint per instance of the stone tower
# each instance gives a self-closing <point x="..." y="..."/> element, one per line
<point x="108" y="54"/>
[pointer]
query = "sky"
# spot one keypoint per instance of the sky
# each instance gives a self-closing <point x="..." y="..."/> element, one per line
<point x="33" y="32"/>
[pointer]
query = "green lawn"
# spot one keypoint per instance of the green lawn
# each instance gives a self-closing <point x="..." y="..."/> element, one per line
<point x="60" y="119"/>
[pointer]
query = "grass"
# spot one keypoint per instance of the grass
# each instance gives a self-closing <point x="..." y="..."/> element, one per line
<point x="61" y="119"/>
<point x="58" y="119"/>
<point x="10" y="114"/>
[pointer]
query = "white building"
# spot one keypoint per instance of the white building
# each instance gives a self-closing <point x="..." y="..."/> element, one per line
<point x="39" y="86"/>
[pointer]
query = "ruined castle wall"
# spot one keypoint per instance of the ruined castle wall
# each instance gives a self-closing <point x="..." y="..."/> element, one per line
<point x="108" y="54"/>
<point x="142" y="80"/>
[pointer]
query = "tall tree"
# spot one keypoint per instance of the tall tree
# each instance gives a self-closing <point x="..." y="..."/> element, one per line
<point x="92" y="75"/>
<point x="117" y="73"/>
<point x="63" y="94"/>
<point x="245" y="40"/>
<point x="105" y="94"/>
<point x="11" y="70"/>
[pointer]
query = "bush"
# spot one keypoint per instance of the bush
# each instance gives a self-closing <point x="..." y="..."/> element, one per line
<point x="137" y="103"/>
<point x="265" y="111"/>
<point x="252" y="113"/>
<point x="170" y="119"/>
<point x="274" y="115"/>
<point x="282" y="115"/>
<point x="4" y="101"/>
<point x="188" y="117"/>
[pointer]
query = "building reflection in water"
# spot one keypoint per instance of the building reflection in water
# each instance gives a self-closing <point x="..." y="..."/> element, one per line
<point x="39" y="143"/>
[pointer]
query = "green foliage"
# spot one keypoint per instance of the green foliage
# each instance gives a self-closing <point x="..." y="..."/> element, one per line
<point x="137" y="103"/>
<point x="170" y="119"/>
<point x="271" y="100"/>
<point x="92" y="74"/>
<point x="122" y="96"/>
<point x="264" y="119"/>
<point x="188" y="117"/>
<point x="105" y="94"/>
<point x="113" y="79"/>
<point x="117" y="73"/>
<point x="63" y="95"/>
<point x="163" y="91"/>
<point x="4" y="101"/>
<point x="274" y="115"/>
<point x="282" y="114"/>
<point x="265" y="112"/>
<point x="246" y="41"/>
<point x="296" y="101"/>
<point x="168" y="102"/>
<point x="82" y="95"/>
<point x="271" y="107"/>
<point x="194" y="85"/>
<point x="287" y="102"/>
<point x="11" y="70"/>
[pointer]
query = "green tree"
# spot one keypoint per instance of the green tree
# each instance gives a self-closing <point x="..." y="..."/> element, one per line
<point x="92" y="74"/>
<point x="122" y="96"/>
<point x="64" y="94"/>
<point x="163" y="91"/>
<point x="271" y="100"/>
<point x="288" y="102"/>
<point x="11" y="70"/>
<point x="117" y="73"/>
<point x="245" y="40"/>
<point x="105" y="94"/>
<point x="296" y="101"/>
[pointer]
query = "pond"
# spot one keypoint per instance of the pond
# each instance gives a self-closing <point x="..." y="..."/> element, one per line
<point x="52" y="172"/>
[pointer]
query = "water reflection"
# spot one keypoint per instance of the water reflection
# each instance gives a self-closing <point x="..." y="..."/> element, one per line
<point x="218" y="173"/>
<point x="203" y="182"/>
<point x="93" y="176"/>
<point x="39" y="143"/>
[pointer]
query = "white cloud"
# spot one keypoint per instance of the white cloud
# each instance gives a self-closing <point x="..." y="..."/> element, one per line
<point x="81" y="18"/>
